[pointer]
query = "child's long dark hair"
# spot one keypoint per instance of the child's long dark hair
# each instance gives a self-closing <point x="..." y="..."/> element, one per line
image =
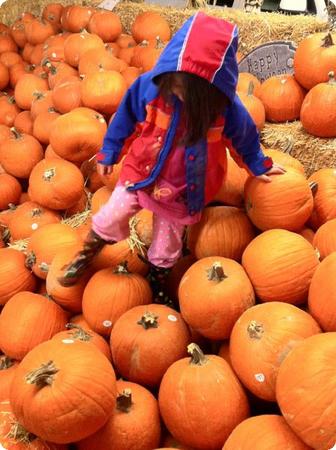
<point x="203" y="102"/>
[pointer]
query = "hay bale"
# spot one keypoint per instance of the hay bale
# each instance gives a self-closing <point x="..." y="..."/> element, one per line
<point x="313" y="152"/>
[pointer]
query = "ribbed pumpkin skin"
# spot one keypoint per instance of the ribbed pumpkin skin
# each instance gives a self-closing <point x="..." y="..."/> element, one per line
<point x="90" y="399"/>
<point x="325" y="238"/>
<point x="222" y="231"/>
<point x="198" y="391"/>
<point x="306" y="389"/>
<point x="14" y="275"/>
<point x="322" y="294"/>
<point x="131" y="343"/>
<point x="212" y="306"/>
<point x="280" y="265"/>
<point x="287" y="202"/>
<point x="255" y="108"/>
<point x="7" y="370"/>
<point x="267" y="432"/>
<point x="325" y="197"/>
<point x="108" y="295"/>
<point x="261" y="339"/>
<point x="138" y="429"/>
<point x="38" y="320"/>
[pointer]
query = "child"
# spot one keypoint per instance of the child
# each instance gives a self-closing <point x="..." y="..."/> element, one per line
<point x="189" y="113"/>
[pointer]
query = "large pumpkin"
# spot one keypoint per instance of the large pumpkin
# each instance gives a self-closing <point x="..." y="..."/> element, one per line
<point x="280" y="265"/>
<point x="213" y="293"/>
<point x="148" y="25"/>
<point x="54" y="371"/>
<point x="285" y="159"/>
<point x="78" y="43"/>
<point x="325" y="197"/>
<point x="287" y="202"/>
<point x="261" y="339"/>
<point x="39" y="319"/>
<point x="14" y="275"/>
<point x="134" y="425"/>
<point x="200" y="386"/>
<point x="322" y="294"/>
<point x="325" y="238"/>
<point x="154" y="330"/>
<point x="110" y="293"/>
<point x="266" y="432"/>
<point x="306" y="389"/>
<point x="222" y="231"/>
<point x="105" y="24"/>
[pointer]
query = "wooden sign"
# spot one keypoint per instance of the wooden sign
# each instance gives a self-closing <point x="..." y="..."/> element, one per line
<point x="272" y="58"/>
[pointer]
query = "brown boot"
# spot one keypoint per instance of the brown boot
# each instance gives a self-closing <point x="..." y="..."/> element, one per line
<point x="75" y="269"/>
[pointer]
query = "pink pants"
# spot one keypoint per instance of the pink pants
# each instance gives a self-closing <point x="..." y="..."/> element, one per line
<point x="111" y="223"/>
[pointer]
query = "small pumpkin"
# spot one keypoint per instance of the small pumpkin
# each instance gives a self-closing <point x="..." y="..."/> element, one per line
<point x="285" y="159"/>
<point x="8" y="110"/>
<point x="244" y="80"/>
<point x="148" y="25"/>
<point x="7" y="370"/>
<point x="24" y="122"/>
<point x="58" y="71"/>
<point x="43" y="124"/>
<point x="26" y="87"/>
<point x="78" y="18"/>
<point x="10" y="190"/>
<point x="325" y="238"/>
<point x="324" y="197"/>
<point x="52" y="13"/>
<point x="41" y="103"/>
<point x="94" y="60"/>
<point x="66" y="95"/>
<point x="106" y="25"/>
<point x="37" y="31"/>
<point x="77" y="44"/>
<point x="254" y="106"/>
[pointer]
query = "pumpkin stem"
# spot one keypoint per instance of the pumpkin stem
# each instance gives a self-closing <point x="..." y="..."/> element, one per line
<point x="20" y="435"/>
<point x="148" y="320"/>
<point x="255" y="329"/>
<point x="43" y="376"/>
<point x="44" y="267"/>
<point x="49" y="174"/>
<point x="250" y="88"/>
<point x="30" y="260"/>
<point x="36" y="212"/>
<point x="16" y="133"/>
<point x="121" y="268"/>
<point x="51" y="109"/>
<point x="327" y="41"/>
<point x="38" y="95"/>
<point x="11" y="206"/>
<point x="331" y="76"/>
<point x="197" y="356"/>
<point x="216" y="272"/>
<point x="11" y="100"/>
<point x="78" y="332"/>
<point x="313" y="187"/>
<point x="124" y="401"/>
<point x="5" y="362"/>
<point x="159" y="43"/>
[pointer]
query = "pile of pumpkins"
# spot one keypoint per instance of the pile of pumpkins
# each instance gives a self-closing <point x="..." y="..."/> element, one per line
<point x="244" y="360"/>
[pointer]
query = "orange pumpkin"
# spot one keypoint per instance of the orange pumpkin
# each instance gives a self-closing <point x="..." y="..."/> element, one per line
<point x="305" y="390"/>
<point x="52" y="13"/>
<point x="148" y="25"/>
<point x="213" y="293"/>
<point x="260" y="341"/>
<point x="265" y="431"/>
<point x="325" y="238"/>
<point x="24" y="122"/>
<point x="51" y="374"/>
<point x="58" y="71"/>
<point x="21" y="333"/>
<point x="43" y="124"/>
<point x="38" y="31"/>
<point x="7" y="43"/>
<point x="110" y="293"/>
<point x="106" y="25"/>
<point x="7" y="370"/>
<point x="10" y="190"/>
<point x="189" y="382"/>
<point x="26" y="87"/>
<point x="285" y="159"/>
<point x="176" y="274"/>
<point x="244" y="80"/>
<point x="254" y="106"/>
<point x="324" y="198"/>
<point x="222" y="231"/>
<point x="125" y="40"/>
<point x="280" y="265"/>
<point x="4" y="76"/>
<point x="42" y="101"/>
<point x="8" y="110"/>
<point x="9" y="59"/>
<point x="135" y="422"/>
<point x="18" y="33"/>
<point x="135" y="335"/>
<point x="317" y="113"/>
<point x="77" y="44"/>
<point x="66" y="95"/>
<point x="94" y="60"/>
<point x="130" y="74"/>
<point x="308" y="234"/>
<point x="78" y="18"/>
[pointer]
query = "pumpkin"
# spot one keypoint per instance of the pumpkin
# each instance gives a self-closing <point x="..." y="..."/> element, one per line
<point x="244" y="80"/>
<point x="78" y="18"/>
<point x="56" y="183"/>
<point x="136" y="335"/>
<point x="175" y="276"/>
<point x="305" y="390"/>
<point x="125" y="40"/>
<point x="103" y="90"/>
<point x="317" y="113"/>
<point x="58" y="72"/>
<point x="10" y="190"/>
<point x="106" y="25"/>
<point x="79" y="320"/>
<point x="53" y="49"/>
<point x="28" y="217"/>
<point x="7" y="43"/>
<point x="18" y="33"/>
<point x="56" y="370"/>
<point x="14" y="275"/>
<point x="70" y="298"/>
<point x="280" y="265"/>
<point x="254" y="106"/>
<point x="26" y="87"/>
<point x="24" y="123"/>
<point x="9" y="59"/>
<point x="148" y="25"/>
<point x="222" y="231"/>
<point x="282" y="97"/>
<point x="77" y="44"/>
<point x="324" y="198"/>
<point x="4" y="76"/>
<point x="99" y="198"/>
<point x="43" y="124"/>
<point x="231" y="192"/>
<point x="134" y="425"/>
<point x="200" y="385"/>
<point x="42" y="101"/>
<point x="52" y="13"/>
<point x="325" y="238"/>
<point x="16" y="72"/>
<point x="322" y="294"/>
<point x="78" y="135"/>
<point x="147" y="53"/>
<point x="27" y="51"/>
<point x="287" y="202"/>
<point x="8" y="110"/>
<point x="38" y="31"/>
<point x="66" y="95"/>
<point x="7" y="370"/>
<point x="308" y="234"/>
<point x="76" y="332"/>
<point x="260" y="341"/>
<point x="213" y="293"/>
<point x="285" y="159"/>
<point x="20" y="153"/>
<point x="314" y="58"/>
<point x="111" y="292"/>
<point x="94" y="60"/>
<point x="81" y="206"/>
<point x="45" y="243"/>
<point x="265" y="431"/>
<point x="39" y="319"/>
<point x="130" y="74"/>
<point x="5" y="132"/>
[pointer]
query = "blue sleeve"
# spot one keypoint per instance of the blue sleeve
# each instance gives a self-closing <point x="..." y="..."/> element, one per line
<point x="241" y="131"/>
<point x="131" y="111"/>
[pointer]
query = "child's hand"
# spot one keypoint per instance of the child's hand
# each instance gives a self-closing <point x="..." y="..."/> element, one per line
<point x="277" y="169"/>
<point x="102" y="169"/>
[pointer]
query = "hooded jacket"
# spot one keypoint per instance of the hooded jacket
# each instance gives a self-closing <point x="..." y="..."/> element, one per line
<point x="205" y="46"/>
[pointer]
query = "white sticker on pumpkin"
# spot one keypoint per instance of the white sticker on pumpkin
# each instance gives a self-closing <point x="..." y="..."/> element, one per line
<point x="2" y="447"/>
<point x="34" y="226"/>
<point x="107" y="323"/>
<point x="172" y="318"/>
<point x="334" y="447"/>
<point x="67" y="341"/>
<point x="259" y="377"/>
